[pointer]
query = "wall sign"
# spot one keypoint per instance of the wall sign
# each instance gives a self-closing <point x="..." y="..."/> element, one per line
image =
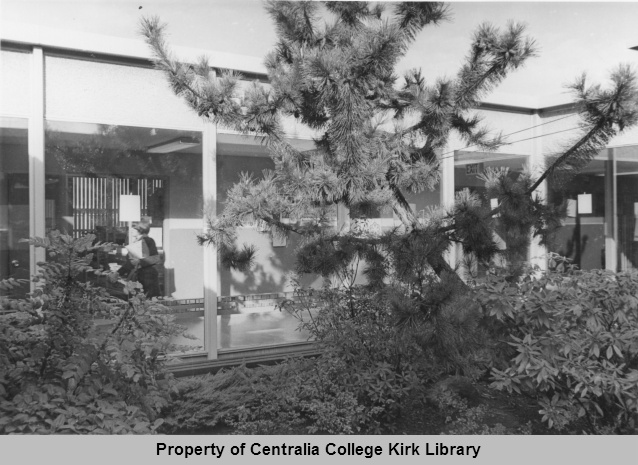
<point x="584" y="204"/>
<point x="474" y="168"/>
<point x="130" y="208"/>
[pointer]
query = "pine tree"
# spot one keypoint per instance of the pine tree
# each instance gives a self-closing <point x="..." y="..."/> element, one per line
<point x="338" y="78"/>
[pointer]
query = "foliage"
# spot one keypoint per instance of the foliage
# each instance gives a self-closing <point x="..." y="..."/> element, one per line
<point x="575" y="337"/>
<point x="364" y="352"/>
<point x="367" y="368"/>
<point x="378" y="137"/>
<point x="229" y="397"/>
<point x="61" y="370"/>
<point x="464" y="420"/>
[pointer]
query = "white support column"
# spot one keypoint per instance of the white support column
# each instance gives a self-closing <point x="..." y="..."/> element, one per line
<point x="538" y="252"/>
<point x="211" y="275"/>
<point x="446" y="197"/>
<point x="611" y="218"/>
<point x="36" y="157"/>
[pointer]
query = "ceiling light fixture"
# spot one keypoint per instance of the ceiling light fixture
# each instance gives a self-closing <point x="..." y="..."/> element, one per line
<point x="173" y="145"/>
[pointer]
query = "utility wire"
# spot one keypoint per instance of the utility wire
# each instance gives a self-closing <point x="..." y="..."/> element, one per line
<point x="514" y="142"/>
<point x="443" y="156"/>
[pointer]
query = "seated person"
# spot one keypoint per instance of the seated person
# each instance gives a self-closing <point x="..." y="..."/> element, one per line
<point x="142" y="258"/>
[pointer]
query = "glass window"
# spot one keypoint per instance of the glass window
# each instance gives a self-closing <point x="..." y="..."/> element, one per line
<point x="109" y="180"/>
<point x="468" y="166"/>
<point x="14" y="203"/>
<point x="600" y="230"/>
<point x="627" y="206"/>
<point x="247" y="313"/>
<point x="582" y="236"/>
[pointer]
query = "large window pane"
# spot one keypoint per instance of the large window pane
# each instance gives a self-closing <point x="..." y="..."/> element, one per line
<point x="247" y="317"/>
<point x="582" y="236"/>
<point x="627" y="205"/>
<point x="105" y="180"/>
<point x="600" y="229"/>
<point x="14" y="203"/>
<point x="254" y="321"/>
<point x="468" y="166"/>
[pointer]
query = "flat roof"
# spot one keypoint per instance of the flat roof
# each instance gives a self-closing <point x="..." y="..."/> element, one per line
<point x="73" y="41"/>
<point x="29" y="34"/>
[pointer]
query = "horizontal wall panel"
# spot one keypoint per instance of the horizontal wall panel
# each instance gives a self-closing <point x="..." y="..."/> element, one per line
<point x="14" y="83"/>
<point x="79" y="90"/>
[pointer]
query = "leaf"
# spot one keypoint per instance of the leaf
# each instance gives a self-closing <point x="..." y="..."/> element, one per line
<point x="141" y="427"/>
<point x="596" y="350"/>
<point x="159" y="422"/>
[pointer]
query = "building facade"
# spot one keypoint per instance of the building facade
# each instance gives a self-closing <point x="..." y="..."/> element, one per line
<point x="87" y="125"/>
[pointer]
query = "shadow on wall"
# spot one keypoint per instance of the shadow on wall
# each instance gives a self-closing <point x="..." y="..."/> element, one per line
<point x="271" y="271"/>
<point x="268" y="274"/>
<point x="583" y="243"/>
<point x="577" y="245"/>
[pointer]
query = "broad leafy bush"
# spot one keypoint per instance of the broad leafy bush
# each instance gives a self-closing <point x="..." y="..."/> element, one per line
<point x="462" y="419"/>
<point x="60" y="372"/>
<point x="575" y="340"/>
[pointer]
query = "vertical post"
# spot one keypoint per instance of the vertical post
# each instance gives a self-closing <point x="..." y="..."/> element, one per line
<point x="538" y="252"/>
<point x="211" y="290"/>
<point x="37" y="225"/>
<point x="611" y="219"/>
<point x="446" y="197"/>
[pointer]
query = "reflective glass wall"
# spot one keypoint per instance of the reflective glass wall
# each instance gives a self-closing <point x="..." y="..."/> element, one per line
<point x="248" y="316"/>
<point x="106" y="180"/>
<point x="600" y="230"/>
<point x="14" y="204"/>
<point x="626" y="170"/>
<point x="468" y="167"/>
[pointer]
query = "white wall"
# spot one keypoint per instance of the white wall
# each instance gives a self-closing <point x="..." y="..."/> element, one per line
<point x="14" y="83"/>
<point x="95" y="92"/>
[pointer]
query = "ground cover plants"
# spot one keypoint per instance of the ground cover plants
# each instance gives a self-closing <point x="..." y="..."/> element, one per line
<point x="60" y="371"/>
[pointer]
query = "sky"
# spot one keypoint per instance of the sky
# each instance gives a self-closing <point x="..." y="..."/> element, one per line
<point x="572" y="37"/>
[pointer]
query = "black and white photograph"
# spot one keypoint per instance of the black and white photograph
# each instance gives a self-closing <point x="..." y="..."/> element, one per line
<point x="319" y="220"/>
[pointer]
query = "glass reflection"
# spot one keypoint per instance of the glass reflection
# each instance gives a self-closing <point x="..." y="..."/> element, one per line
<point x="468" y="167"/>
<point x="600" y="229"/>
<point x="139" y="188"/>
<point x="91" y="170"/>
<point x="14" y="204"/>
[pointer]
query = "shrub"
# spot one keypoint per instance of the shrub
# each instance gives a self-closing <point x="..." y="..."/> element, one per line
<point x="575" y="340"/>
<point x="367" y="362"/>
<point x="367" y="368"/>
<point x="251" y="400"/>
<point x="464" y="420"/>
<point x="60" y="372"/>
